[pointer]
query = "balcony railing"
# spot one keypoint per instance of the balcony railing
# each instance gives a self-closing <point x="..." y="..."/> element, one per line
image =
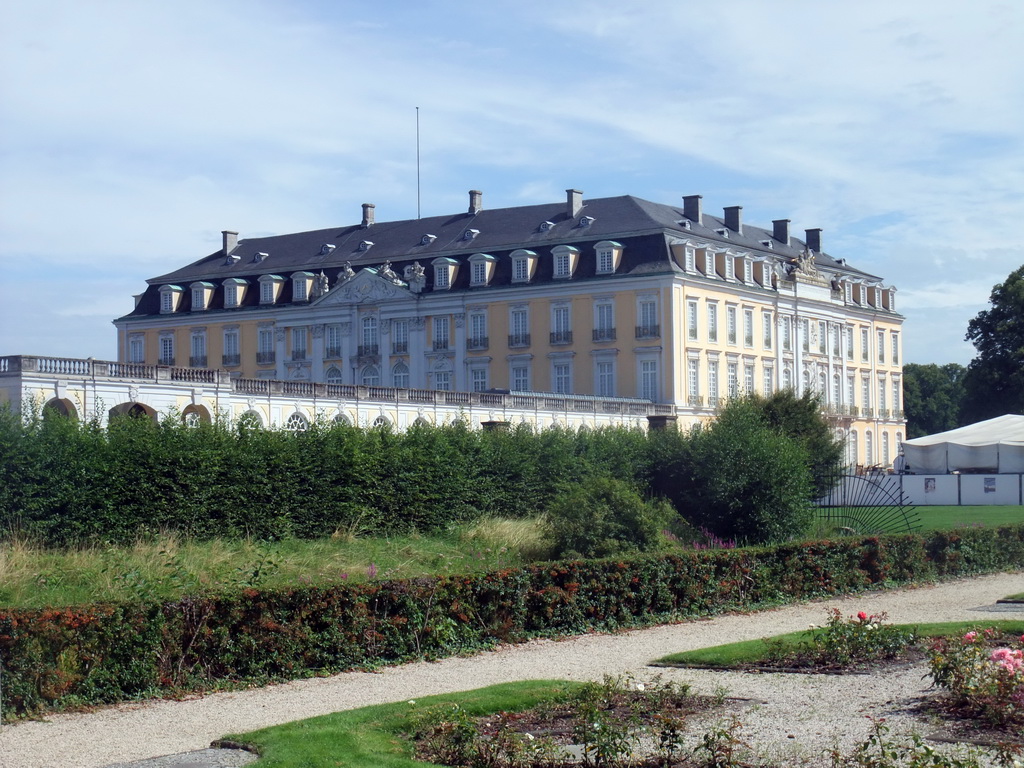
<point x="399" y="347"/>
<point x="368" y="350"/>
<point x="265" y="358"/>
<point x="479" y="342"/>
<point x="519" y="340"/>
<point x="440" y="345"/>
<point x="695" y="401"/>
<point x="332" y="352"/>
<point x="230" y="360"/>
<point x="165" y="361"/>
<point x="604" y="334"/>
<point x="561" y="337"/>
<point x="299" y="354"/>
<point x="197" y="361"/>
<point x="648" y="331"/>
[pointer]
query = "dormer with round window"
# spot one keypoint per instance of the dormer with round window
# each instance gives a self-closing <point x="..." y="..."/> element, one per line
<point x="270" y="288"/>
<point x="202" y="292"/>
<point x="444" y="272"/>
<point x="565" y="260"/>
<point x="481" y="269"/>
<point x="170" y="298"/>
<point x="608" y="254"/>
<point x="302" y="282"/>
<point x="524" y="263"/>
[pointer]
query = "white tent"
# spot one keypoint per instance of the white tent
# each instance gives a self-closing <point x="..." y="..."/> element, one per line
<point x="995" y="446"/>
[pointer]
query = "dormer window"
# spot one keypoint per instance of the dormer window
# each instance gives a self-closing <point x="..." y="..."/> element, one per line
<point x="444" y="273"/>
<point x="365" y="245"/>
<point x="427" y="239"/>
<point x="261" y="256"/>
<point x="481" y="268"/>
<point x="234" y="292"/>
<point x="565" y="258"/>
<point x="723" y="232"/>
<point x="690" y="259"/>
<point x="523" y="264"/>
<point x="326" y="249"/>
<point x="725" y="265"/>
<point x="201" y="293"/>
<point x="301" y="283"/>
<point x="863" y="295"/>
<point x="546" y="225"/>
<point x="270" y="288"/>
<point x="748" y="271"/>
<point x="609" y="253"/>
<point x="848" y="292"/>
<point x="170" y="298"/>
<point x="470" y="234"/>
<point x="768" y="244"/>
<point x="709" y="263"/>
<point x="586" y="221"/>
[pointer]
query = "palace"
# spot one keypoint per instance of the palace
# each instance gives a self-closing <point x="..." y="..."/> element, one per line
<point x="613" y="297"/>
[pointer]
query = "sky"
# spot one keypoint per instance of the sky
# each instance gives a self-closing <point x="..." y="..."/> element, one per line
<point x="133" y="132"/>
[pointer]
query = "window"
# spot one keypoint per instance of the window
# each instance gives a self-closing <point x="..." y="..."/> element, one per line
<point x="713" y="382"/>
<point x="522" y="265"/>
<point x="837" y="390"/>
<point x="605" y="378"/>
<point x="693" y="379"/>
<point x="519" y="324"/>
<point x="136" y="349"/>
<point x="895" y="348"/>
<point x="851" y="455"/>
<point x="561" y="264"/>
<point x="268" y="289"/>
<point x="400" y="375"/>
<point x="299" y="348"/>
<point x="233" y="290"/>
<point x="865" y="395"/>
<point x="691" y="320"/>
<point x="604" y="321"/>
<point x="565" y="260"/>
<point x="787" y="334"/>
<point x="400" y="337"/>
<point x="442" y="276"/>
<point x="166" y="302"/>
<point x="561" y="332"/>
<point x="732" y="379"/>
<point x="299" y="289"/>
<point x="881" y="346"/>
<point x="198" y="298"/>
<point x="748" y="271"/>
<point x="787" y="378"/>
<point x="851" y="390"/>
<point x="823" y="385"/>
<point x="748" y="379"/>
<point x="769" y="381"/>
<point x="370" y="376"/>
<point x="849" y="343"/>
<point x="561" y="378"/>
<point x="265" y="346"/>
<point x="478" y="379"/>
<point x="605" y="261"/>
<point x="647" y="315"/>
<point x="766" y="322"/>
<point x="520" y="378"/>
<point x="822" y="338"/>
<point x="333" y="338"/>
<point x="333" y="375"/>
<point x="231" y="355"/>
<point x="835" y="332"/>
<point x="805" y="335"/>
<point x="197" y="358"/>
<point x="863" y="345"/>
<point x="443" y="380"/>
<point x="689" y="260"/>
<point x="441" y="328"/>
<point x="649" y="380"/>
<point x="748" y="327"/>
<point x="881" y="397"/>
<point x="296" y="423"/>
<point x="477" y="331"/>
<point x="369" y="339"/>
<point x="478" y="275"/>
<point x="730" y="324"/>
<point x="869" y="451"/>
<point x="712" y="322"/>
<point x="896" y="396"/>
<point x="885" y="449"/>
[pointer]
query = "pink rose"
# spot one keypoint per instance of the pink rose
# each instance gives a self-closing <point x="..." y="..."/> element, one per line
<point x="970" y="637"/>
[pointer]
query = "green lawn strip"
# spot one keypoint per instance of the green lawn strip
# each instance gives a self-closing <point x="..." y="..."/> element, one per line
<point x="373" y="737"/>
<point x="754" y="652"/>
<point x="949" y="518"/>
<point x="1019" y="596"/>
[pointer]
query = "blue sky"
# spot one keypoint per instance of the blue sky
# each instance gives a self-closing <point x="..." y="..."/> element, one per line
<point x="133" y="132"/>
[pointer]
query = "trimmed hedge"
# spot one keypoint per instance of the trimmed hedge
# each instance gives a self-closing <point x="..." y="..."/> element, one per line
<point x="56" y="659"/>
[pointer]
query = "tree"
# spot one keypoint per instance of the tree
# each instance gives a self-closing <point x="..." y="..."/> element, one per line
<point x="994" y="384"/>
<point x="932" y="397"/>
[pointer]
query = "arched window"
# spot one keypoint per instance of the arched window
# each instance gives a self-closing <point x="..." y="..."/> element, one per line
<point x="421" y="421"/>
<point x="333" y="375"/>
<point x="400" y="375"/>
<point x="369" y="338"/>
<point x="851" y="449"/>
<point x="869" y="449"/>
<point x="341" y="418"/>
<point x="250" y="420"/>
<point x="380" y="421"/>
<point x="370" y="376"/>
<point x="885" y="450"/>
<point x="297" y="423"/>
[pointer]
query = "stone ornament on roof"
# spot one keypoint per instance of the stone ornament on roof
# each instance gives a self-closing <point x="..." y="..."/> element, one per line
<point x="805" y="263"/>
<point x="388" y="273"/>
<point x="347" y="273"/>
<point x="320" y="285"/>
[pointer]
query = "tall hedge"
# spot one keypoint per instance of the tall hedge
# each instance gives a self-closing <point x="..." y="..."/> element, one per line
<point x="106" y="653"/>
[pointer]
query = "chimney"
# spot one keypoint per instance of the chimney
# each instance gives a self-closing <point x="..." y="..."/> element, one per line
<point x="368" y="215"/>
<point x="780" y="230"/>
<point x="692" y="209"/>
<point x="229" y="240"/>
<point x="814" y="240"/>
<point x="476" y="201"/>
<point x="574" y="202"/>
<point x="734" y="218"/>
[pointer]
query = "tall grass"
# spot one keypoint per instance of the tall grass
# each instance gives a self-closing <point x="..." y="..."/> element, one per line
<point x="168" y="565"/>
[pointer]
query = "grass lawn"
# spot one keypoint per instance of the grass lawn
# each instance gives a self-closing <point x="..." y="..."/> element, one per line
<point x="752" y="652"/>
<point x="944" y="518"/>
<point x="372" y="737"/>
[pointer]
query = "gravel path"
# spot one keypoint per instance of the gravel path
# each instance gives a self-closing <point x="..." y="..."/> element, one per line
<point x="795" y="715"/>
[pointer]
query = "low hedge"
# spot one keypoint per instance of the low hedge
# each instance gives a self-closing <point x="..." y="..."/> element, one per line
<point x="54" y="659"/>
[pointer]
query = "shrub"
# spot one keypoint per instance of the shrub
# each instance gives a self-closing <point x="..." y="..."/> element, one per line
<point x="603" y="516"/>
<point x="983" y="681"/>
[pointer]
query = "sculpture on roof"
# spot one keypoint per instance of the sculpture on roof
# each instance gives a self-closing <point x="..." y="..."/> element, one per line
<point x="347" y="273"/>
<point x="320" y="285"/>
<point x="805" y="262"/>
<point x="387" y="272"/>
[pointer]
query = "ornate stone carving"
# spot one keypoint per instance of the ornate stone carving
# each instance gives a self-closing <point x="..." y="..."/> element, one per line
<point x="387" y="272"/>
<point x="279" y="335"/>
<point x="346" y="328"/>
<point x="418" y="323"/>
<point x="347" y="273"/>
<point x="460" y="320"/>
<point x="320" y="285"/>
<point x="318" y="331"/>
<point x="385" y="326"/>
